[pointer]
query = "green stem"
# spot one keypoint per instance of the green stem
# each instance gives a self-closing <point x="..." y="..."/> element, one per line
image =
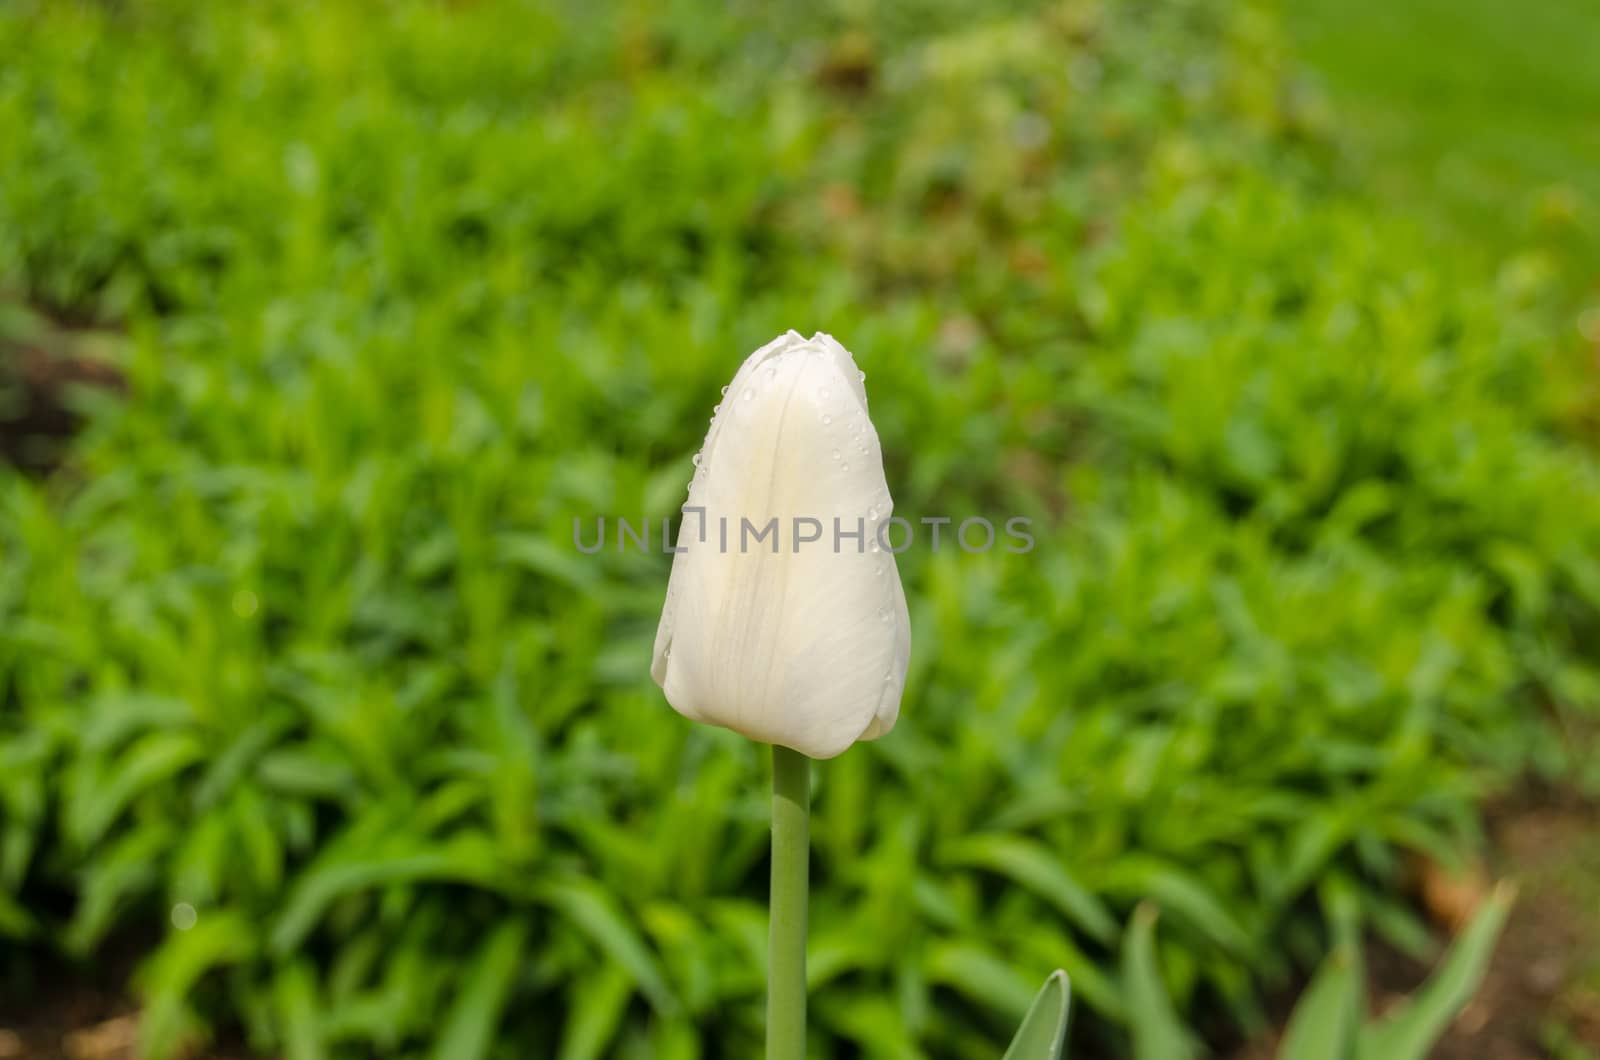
<point x="786" y="950"/>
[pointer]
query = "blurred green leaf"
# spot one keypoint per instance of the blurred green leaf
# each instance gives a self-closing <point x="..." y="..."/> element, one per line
<point x="1409" y="1031"/>
<point x="1327" y="1018"/>
<point x="594" y="914"/>
<point x="982" y="976"/>
<point x="468" y="1029"/>
<point x="1158" y="1033"/>
<point x="1031" y="865"/>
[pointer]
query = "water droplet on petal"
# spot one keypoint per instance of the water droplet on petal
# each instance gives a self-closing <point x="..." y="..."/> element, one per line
<point x="872" y="513"/>
<point x="715" y="409"/>
<point x="823" y="393"/>
<point x="724" y="391"/>
<point x="749" y="393"/>
<point x="836" y="454"/>
<point x="827" y="419"/>
<point x="697" y="460"/>
<point x="844" y="467"/>
<point x="862" y="375"/>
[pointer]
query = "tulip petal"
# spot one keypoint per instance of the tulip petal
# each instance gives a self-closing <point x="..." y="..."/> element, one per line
<point x="790" y="641"/>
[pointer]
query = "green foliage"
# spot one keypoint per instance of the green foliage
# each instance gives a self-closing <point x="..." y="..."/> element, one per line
<point x="297" y="636"/>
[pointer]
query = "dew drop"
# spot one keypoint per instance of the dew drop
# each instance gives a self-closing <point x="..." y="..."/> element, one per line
<point x="697" y="460"/>
<point x="666" y="653"/>
<point x="827" y="419"/>
<point x="724" y="391"/>
<point x="749" y="393"/>
<point x="836" y="454"/>
<point x="715" y="409"/>
<point x="872" y="513"/>
<point x="862" y="376"/>
<point x="883" y="614"/>
<point x="844" y="467"/>
<point x="823" y="393"/>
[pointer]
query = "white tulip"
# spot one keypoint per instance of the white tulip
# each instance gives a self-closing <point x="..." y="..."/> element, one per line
<point x="805" y="646"/>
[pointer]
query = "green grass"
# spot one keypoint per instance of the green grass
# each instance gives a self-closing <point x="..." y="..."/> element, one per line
<point x="297" y="635"/>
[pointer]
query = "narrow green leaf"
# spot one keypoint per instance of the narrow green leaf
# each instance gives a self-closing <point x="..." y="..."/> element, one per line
<point x="545" y="557"/>
<point x="1043" y="1034"/>
<point x="125" y="868"/>
<point x="463" y="860"/>
<point x="469" y="1028"/>
<point x="1326" y="1020"/>
<point x="981" y="976"/>
<point x="1158" y="1034"/>
<point x="592" y="912"/>
<point x="242" y="752"/>
<point x="295" y="996"/>
<point x="1408" y="1033"/>
<point x="166" y="981"/>
<point x="598" y="1004"/>
<point x="1184" y="896"/>
<point x="1030" y="864"/>
<point x="98" y="799"/>
<point x="1314" y="842"/>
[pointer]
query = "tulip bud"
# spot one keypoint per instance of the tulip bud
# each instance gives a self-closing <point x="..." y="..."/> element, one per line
<point x="793" y="632"/>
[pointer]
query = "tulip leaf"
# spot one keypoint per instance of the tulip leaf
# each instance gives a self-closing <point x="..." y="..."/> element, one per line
<point x="1158" y="1034"/>
<point x="1043" y="1034"/>
<point x="1408" y="1033"/>
<point x="1326" y="1020"/>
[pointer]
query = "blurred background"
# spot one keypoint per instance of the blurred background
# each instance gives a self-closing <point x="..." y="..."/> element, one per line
<point x="319" y="324"/>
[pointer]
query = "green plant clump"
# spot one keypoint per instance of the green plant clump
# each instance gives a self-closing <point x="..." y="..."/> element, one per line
<point x="297" y="639"/>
